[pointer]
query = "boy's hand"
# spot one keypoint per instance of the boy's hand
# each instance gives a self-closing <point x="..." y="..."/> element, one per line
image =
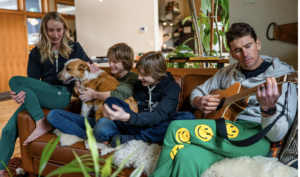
<point x="94" y="68"/>
<point x="119" y="114"/>
<point x="87" y="94"/>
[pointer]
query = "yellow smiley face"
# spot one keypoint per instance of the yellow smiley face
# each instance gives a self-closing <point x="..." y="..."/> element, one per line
<point x="183" y="135"/>
<point x="175" y="150"/>
<point x="232" y="131"/>
<point x="204" y="132"/>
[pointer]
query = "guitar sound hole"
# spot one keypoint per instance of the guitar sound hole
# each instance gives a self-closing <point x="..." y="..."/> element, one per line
<point x="221" y="104"/>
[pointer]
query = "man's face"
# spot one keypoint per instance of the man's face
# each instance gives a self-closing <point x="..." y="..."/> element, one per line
<point x="245" y="51"/>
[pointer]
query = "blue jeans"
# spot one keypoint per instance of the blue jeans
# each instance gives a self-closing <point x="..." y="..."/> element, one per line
<point x="69" y="123"/>
<point x="105" y="129"/>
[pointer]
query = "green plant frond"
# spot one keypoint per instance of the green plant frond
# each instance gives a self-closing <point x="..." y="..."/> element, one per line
<point x="69" y="169"/>
<point x="122" y="165"/>
<point x="6" y="168"/>
<point x="106" y="169"/>
<point x="93" y="146"/>
<point x="138" y="171"/>
<point x="224" y="4"/>
<point x="186" y="19"/>
<point x="207" y="31"/>
<point x="46" y="154"/>
<point x="188" y="40"/>
<point x="81" y="165"/>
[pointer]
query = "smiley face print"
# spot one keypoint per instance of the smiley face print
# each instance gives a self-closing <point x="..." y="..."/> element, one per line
<point x="204" y="132"/>
<point x="232" y="131"/>
<point x="183" y="135"/>
<point x="175" y="150"/>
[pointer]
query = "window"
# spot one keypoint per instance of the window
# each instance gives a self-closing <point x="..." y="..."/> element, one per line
<point x="66" y="9"/>
<point x="33" y="26"/>
<point x="9" y="4"/>
<point x="33" y="6"/>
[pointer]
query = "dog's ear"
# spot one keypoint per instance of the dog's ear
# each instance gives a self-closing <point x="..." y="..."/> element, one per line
<point x="84" y="67"/>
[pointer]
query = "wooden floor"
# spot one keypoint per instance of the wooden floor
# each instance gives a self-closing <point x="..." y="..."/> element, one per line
<point x="7" y="108"/>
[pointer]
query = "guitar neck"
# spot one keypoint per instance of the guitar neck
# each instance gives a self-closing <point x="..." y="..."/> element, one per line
<point x="251" y="91"/>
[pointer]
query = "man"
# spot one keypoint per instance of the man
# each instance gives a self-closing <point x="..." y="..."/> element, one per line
<point x="190" y="147"/>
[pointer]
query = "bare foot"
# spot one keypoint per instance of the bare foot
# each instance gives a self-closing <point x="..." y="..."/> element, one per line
<point x="105" y="142"/>
<point x="1" y="173"/>
<point x="42" y="127"/>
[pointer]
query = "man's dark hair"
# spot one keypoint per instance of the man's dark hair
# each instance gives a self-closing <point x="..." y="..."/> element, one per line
<point x="238" y="30"/>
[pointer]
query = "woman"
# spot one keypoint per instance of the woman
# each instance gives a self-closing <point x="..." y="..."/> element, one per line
<point x="41" y="89"/>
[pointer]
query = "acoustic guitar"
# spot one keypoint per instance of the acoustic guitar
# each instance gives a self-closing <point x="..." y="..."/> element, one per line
<point x="234" y="99"/>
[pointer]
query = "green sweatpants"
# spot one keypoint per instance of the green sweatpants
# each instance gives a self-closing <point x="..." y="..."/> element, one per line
<point x="38" y="95"/>
<point x="192" y="146"/>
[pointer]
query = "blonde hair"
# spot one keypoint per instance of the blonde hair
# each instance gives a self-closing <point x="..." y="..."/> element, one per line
<point x="44" y="45"/>
<point x="153" y="64"/>
<point x="122" y="53"/>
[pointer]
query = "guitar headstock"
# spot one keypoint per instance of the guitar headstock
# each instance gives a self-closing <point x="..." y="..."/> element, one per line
<point x="293" y="78"/>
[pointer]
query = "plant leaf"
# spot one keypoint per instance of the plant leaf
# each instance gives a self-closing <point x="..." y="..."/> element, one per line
<point x="46" y="154"/>
<point x="188" y="40"/>
<point x="69" y="169"/>
<point x="205" y="6"/>
<point x="6" y="168"/>
<point x="106" y="170"/>
<point x="81" y="165"/>
<point x="186" y="19"/>
<point x="137" y="172"/>
<point x="206" y="43"/>
<point x="93" y="146"/>
<point x="215" y="38"/>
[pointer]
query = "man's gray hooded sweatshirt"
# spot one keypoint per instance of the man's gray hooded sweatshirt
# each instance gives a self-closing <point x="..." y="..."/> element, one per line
<point x="227" y="76"/>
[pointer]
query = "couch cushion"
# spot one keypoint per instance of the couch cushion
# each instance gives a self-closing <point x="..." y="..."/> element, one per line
<point x="189" y="83"/>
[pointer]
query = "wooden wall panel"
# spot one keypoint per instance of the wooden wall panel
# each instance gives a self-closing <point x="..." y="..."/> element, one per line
<point x="13" y="55"/>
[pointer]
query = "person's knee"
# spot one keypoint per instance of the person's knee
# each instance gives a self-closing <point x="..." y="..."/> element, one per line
<point x="8" y="131"/>
<point x="101" y="129"/>
<point x="52" y="116"/>
<point x="13" y="82"/>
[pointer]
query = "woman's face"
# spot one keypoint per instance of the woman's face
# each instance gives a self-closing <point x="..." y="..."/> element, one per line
<point x="55" y="31"/>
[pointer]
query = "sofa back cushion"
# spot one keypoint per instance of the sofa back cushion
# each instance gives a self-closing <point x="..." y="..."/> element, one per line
<point x="190" y="82"/>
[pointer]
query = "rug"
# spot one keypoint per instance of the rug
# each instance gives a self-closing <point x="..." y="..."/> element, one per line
<point x="14" y="164"/>
<point x="149" y="153"/>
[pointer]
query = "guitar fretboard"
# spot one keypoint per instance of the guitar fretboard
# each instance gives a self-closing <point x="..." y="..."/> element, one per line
<point x="249" y="92"/>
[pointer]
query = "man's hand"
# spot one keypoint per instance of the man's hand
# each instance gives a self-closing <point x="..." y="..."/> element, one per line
<point x="119" y="114"/>
<point x="87" y="94"/>
<point x="207" y="103"/>
<point x="18" y="98"/>
<point x="268" y="94"/>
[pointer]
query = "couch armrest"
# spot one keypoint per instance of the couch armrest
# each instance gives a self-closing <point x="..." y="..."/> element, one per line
<point x="26" y="125"/>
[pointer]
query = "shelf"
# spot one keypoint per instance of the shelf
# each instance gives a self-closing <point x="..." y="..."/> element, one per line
<point x="207" y="60"/>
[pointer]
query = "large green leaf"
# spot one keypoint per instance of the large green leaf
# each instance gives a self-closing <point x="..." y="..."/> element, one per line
<point x="215" y="38"/>
<point x="6" y="168"/>
<point x="205" y="6"/>
<point x="138" y="171"/>
<point x="206" y="42"/>
<point x="46" y="154"/>
<point x="224" y="4"/>
<point x="106" y="170"/>
<point x="184" y="47"/>
<point x="92" y="145"/>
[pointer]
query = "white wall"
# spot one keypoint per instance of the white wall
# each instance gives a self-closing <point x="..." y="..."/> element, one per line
<point x="100" y="25"/>
<point x="259" y="15"/>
